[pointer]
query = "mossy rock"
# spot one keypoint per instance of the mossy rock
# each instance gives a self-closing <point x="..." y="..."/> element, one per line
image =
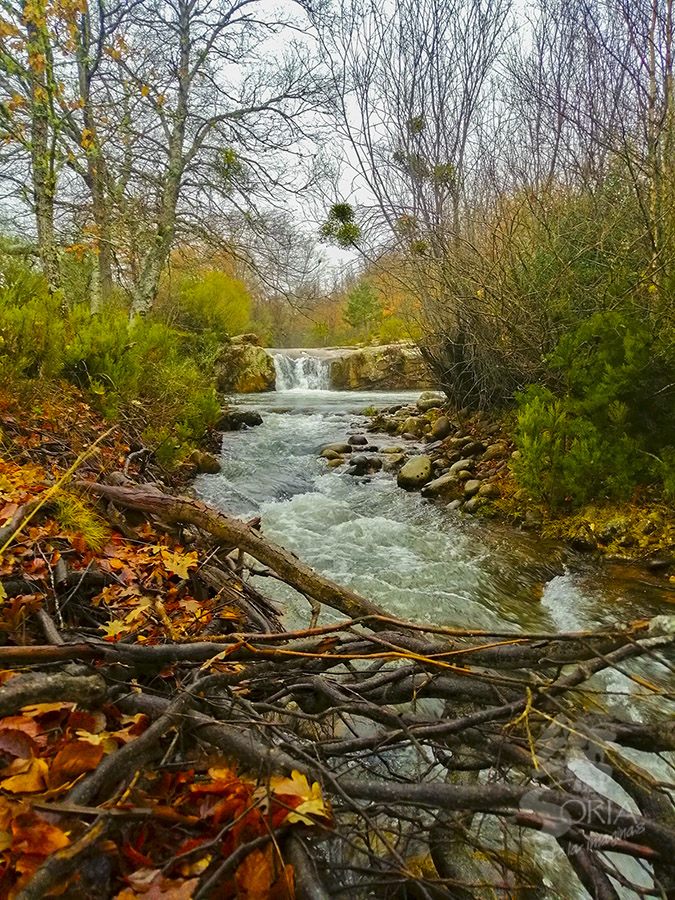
<point x="245" y="368"/>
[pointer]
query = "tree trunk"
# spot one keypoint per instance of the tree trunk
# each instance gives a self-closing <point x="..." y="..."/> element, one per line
<point x="159" y="251"/>
<point x="234" y="532"/>
<point x="43" y="151"/>
<point x="97" y="172"/>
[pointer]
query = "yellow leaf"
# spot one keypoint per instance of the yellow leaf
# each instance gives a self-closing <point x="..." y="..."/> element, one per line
<point x="114" y="629"/>
<point x="29" y="781"/>
<point x="178" y="563"/>
<point x="298" y="786"/>
<point x="145" y="90"/>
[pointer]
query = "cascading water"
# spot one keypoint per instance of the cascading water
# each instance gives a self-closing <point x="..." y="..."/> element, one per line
<point x="301" y="372"/>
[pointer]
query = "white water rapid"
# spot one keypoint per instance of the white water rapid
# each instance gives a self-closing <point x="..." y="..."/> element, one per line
<point x="412" y="556"/>
<point x="301" y="372"/>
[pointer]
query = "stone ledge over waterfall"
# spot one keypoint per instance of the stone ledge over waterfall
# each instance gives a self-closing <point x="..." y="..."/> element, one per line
<point x="246" y="367"/>
<point x="384" y="367"/>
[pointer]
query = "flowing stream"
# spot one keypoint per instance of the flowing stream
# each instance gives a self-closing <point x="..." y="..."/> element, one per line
<point x="413" y="557"/>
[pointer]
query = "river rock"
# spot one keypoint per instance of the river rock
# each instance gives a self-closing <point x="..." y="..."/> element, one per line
<point x="454" y="504"/>
<point x="393" y="461"/>
<point x="338" y="448"/>
<point x="244" y="367"/>
<point x="441" y="487"/>
<point x="660" y="563"/>
<point x="235" y="419"/>
<point x="533" y="519"/>
<point x="430" y="400"/>
<point x="473" y="448"/>
<point x="471" y="505"/>
<point x="441" y="428"/>
<point x="415" y="473"/>
<point x="583" y="542"/>
<point x="358" y="440"/>
<point x="415" y="424"/>
<point x="206" y="463"/>
<point x="360" y="462"/>
<point x="409" y="436"/>
<point x="330" y="454"/>
<point x="489" y="491"/>
<point x="389" y="367"/>
<point x="614" y="530"/>
<point x="460" y="465"/>
<point x="334" y="463"/>
<point x="495" y="451"/>
<point x="392" y="449"/>
<point x="456" y="442"/>
<point x="471" y="487"/>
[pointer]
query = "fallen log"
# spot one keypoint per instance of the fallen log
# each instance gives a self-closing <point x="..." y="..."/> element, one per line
<point x="234" y="532"/>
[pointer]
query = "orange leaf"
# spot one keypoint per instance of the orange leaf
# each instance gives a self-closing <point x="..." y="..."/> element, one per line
<point x="35" y="836"/>
<point x="74" y="760"/>
<point x="254" y="875"/>
<point x="26" y="725"/>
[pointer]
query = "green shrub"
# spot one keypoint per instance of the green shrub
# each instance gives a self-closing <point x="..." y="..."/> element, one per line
<point x="609" y="426"/>
<point x="31" y="327"/>
<point x="165" y="371"/>
<point x="565" y="460"/>
<point x="211" y="303"/>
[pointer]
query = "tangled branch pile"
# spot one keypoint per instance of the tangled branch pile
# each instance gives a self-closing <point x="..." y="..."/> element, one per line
<point x="163" y="737"/>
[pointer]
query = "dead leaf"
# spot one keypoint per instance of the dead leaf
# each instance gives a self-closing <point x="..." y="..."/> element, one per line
<point x="162" y="889"/>
<point x="254" y="876"/>
<point x="74" y="760"/>
<point x="17" y="743"/>
<point x="30" y="780"/>
<point x="290" y="789"/>
<point x="32" y="835"/>
<point x="114" y="629"/>
<point x="178" y="563"/>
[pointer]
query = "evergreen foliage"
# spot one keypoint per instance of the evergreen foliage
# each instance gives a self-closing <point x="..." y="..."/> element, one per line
<point x="609" y="425"/>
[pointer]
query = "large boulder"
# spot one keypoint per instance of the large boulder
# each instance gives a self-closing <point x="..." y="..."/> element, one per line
<point x="245" y="368"/>
<point x="388" y="367"/>
<point x="415" y="473"/>
<point x="431" y="400"/>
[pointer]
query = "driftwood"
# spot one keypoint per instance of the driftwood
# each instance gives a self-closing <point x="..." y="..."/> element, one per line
<point x="446" y="753"/>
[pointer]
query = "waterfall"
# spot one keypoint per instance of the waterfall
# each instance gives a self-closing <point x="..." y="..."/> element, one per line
<point x="301" y="373"/>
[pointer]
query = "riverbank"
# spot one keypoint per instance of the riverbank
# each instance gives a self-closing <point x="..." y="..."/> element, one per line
<point x="465" y="463"/>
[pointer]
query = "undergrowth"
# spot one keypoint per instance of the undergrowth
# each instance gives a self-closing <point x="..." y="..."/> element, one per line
<point x="156" y="370"/>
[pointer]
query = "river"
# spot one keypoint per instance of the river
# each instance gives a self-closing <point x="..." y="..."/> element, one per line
<point x="415" y="558"/>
